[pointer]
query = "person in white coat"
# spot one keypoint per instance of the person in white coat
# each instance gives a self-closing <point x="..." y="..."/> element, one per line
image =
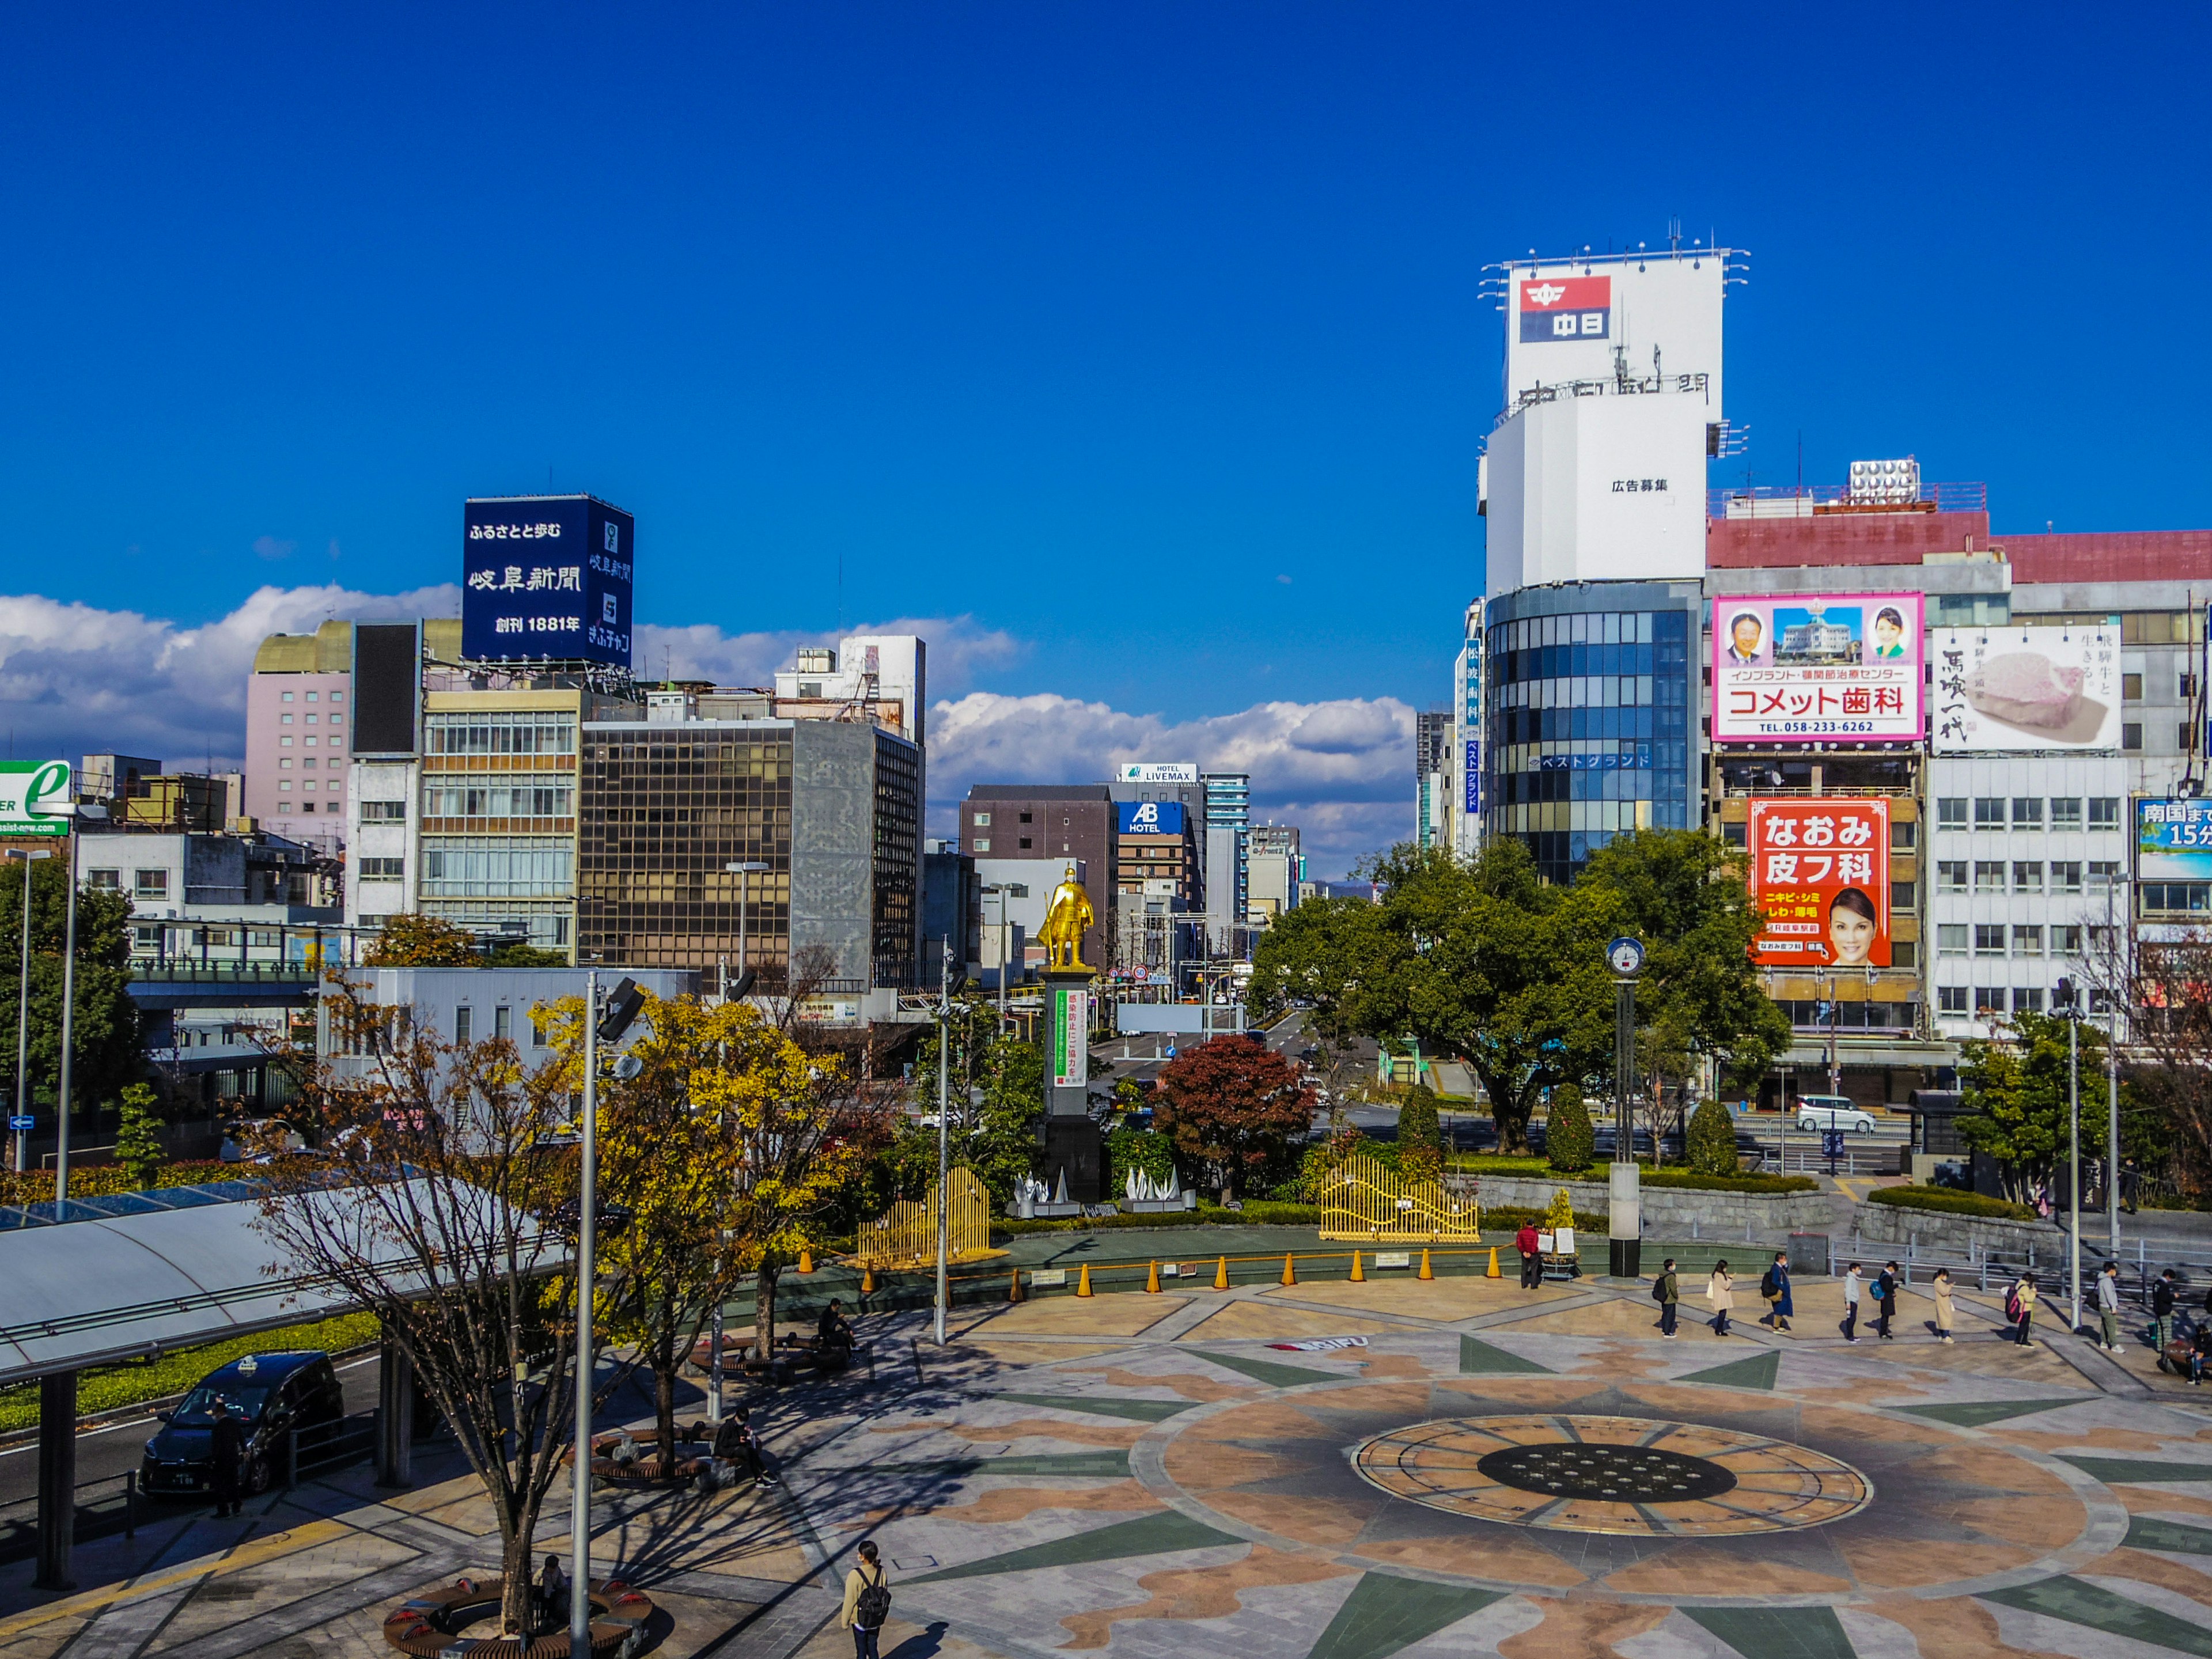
<point x="1720" y="1296"/>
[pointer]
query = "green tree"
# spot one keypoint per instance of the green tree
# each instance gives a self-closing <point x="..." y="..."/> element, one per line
<point x="1145" y="1151"/>
<point x="1711" y="1139"/>
<point x="1420" y="1137"/>
<point x="138" y="1142"/>
<point x="412" y="939"/>
<point x="106" y="1035"/>
<point x="1477" y="960"/>
<point x="2014" y="1095"/>
<point x="1683" y="893"/>
<point x="1569" y="1141"/>
<point x="995" y="1137"/>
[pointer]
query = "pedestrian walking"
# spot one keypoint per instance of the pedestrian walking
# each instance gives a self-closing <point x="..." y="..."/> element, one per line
<point x="867" y="1602"/>
<point x="1720" y="1296"/>
<point x="227" y="1444"/>
<point x="1854" y="1288"/>
<point x="1667" y="1291"/>
<point x="2130" y="1183"/>
<point x="2108" y="1307"/>
<point x="2020" y="1307"/>
<point x="1532" y="1256"/>
<point x="1885" y="1300"/>
<point x="1774" y="1286"/>
<point x="1942" y="1289"/>
<point x="2162" y="1299"/>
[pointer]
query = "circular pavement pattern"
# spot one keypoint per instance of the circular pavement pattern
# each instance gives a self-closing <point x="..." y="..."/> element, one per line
<point x="1632" y="1475"/>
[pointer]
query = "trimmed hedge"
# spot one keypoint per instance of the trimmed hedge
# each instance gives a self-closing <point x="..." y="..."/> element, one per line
<point x="1944" y="1201"/>
<point x="1736" y="1183"/>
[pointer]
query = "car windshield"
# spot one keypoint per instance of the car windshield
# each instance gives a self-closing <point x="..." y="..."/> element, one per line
<point x="198" y="1411"/>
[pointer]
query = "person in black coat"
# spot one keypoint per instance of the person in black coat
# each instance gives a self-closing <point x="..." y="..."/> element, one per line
<point x="226" y="1445"/>
<point x="1885" y="1298"/>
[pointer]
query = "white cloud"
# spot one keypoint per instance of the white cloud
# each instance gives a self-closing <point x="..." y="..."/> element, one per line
<point x="74" y="677"/>
<point x="1342" y="769"/>
<point x="959" y="650"/>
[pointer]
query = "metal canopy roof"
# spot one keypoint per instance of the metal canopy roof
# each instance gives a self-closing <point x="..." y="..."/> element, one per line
<point x="112" y="1205"/>
<point x="101" y="1288"/>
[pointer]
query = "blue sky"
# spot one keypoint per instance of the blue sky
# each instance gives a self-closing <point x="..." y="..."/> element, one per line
<point x="1144" y="339"/>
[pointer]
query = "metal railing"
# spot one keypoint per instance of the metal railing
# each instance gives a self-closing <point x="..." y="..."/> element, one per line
<point x="1936" y="497"/>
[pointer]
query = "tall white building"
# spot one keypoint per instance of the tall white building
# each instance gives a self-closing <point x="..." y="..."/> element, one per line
<point x="1466" y="759"/>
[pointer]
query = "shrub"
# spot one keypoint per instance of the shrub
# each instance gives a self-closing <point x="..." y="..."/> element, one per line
<point x="137" y="1145"/>
<point x="1145" y="1151"/>
<point x="1569" y="1141"/>
<point x="1944" y="1201"/>
<point x="1730" y="1183"/>
<point x="1562" y="1213"/>
<point x="1420" y="1138"/>
<point x="1712" y="1140"/>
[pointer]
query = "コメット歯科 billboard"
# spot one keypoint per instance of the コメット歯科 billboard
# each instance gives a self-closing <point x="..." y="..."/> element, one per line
<point x="1820" y="876"/>
<point x="1816" y="668"/>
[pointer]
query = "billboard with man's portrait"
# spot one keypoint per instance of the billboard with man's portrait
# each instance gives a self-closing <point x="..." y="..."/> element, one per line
<point x="1817" y="667"/>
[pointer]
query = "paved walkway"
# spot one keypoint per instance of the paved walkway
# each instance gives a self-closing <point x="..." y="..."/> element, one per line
<point x="1328" y="1471"/>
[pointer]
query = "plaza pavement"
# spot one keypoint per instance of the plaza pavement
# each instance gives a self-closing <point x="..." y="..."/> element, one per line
<point x="1140" y="1475"/>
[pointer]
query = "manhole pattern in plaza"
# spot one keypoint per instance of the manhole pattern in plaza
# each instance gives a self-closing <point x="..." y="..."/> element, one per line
<point x="1613" y="1474"/>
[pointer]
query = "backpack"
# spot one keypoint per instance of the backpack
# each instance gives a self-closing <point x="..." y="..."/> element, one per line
<point x="2012" y="1307"/>
<point x="1659" y="1288"/>
<point x="872" y="1606"/>
<point x="1768" y="1288"/>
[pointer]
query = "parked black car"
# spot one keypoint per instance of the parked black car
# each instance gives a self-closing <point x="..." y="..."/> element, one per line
<point x="269" y="1394"/>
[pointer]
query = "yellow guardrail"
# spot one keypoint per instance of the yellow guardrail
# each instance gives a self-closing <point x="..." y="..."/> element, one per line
<point x="1363" y="1199"/>
<point x="905" y="1235"/>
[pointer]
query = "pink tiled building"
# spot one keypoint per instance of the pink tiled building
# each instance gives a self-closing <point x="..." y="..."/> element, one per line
<point x="297" y="723"/>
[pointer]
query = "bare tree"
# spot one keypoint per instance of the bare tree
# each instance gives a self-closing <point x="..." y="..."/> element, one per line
<point x="435" y="1205"/>
<point x="2163" y="985"/>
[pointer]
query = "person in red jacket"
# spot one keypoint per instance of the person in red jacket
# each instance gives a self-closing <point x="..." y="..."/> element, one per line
<point x="1532" y="1257"/>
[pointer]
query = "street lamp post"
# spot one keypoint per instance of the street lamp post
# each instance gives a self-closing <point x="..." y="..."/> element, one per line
<point x="744" y="873"/>
<point x="2112" y="1128"/>
<point x="943" y="1142"/>
<point x="2066" y="998"/>
<point x="579" y="1511"/>
<point x="1624" y="1226"/>
<point x="89" y="812"/>
<point x="23" y="1014"/>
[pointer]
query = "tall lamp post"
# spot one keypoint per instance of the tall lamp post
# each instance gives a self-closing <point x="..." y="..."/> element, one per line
<point x="22" y="1122"/>
<point x="944" y="1144"/>
<point x="86" y="812"/>
<point x="2069" y="1007"/>
<point x="744" y="872"/>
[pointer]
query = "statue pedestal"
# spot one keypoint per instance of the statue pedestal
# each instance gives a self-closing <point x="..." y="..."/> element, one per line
<point x="1072" y="1142"/>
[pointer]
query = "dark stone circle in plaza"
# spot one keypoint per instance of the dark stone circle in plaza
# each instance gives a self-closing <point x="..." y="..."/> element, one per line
<point x="1620" y="1475"/>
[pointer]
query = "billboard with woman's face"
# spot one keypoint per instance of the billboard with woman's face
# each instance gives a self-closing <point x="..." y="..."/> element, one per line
<point x="1820" y="875"/>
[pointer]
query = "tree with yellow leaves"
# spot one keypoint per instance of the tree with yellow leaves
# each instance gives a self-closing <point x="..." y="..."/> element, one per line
<point x="723" y="1149"/>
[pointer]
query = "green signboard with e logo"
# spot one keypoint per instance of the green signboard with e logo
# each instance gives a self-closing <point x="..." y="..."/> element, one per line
<point x="34" y="797"/>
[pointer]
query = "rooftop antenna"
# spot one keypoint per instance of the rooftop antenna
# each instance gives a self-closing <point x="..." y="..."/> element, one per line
<point x="1674" y="236"/>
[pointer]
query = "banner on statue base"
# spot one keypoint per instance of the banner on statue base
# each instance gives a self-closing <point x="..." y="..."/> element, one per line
<point x="1071" y="1037"/>
<point x="1820" y="875"/>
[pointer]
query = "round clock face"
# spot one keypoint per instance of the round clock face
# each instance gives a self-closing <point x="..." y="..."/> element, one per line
<point x="1625" y="955"/>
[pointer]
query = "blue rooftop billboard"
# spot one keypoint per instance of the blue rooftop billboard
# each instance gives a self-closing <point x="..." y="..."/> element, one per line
<point x="546" y="577"/>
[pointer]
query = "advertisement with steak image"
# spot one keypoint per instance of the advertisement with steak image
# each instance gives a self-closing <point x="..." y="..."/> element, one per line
<point x="1820" y="875"/>
<point x="1999" y="690"/>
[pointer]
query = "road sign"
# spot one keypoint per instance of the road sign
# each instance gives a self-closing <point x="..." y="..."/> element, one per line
<point x="21" y="1123"/>
<point x="1832" y="1143"/>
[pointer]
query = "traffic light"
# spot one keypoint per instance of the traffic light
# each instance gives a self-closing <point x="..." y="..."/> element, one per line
<point x="2061" y="999"/>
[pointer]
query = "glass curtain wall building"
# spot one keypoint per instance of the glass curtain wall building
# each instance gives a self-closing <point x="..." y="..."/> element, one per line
<point x="1593" y="710"/>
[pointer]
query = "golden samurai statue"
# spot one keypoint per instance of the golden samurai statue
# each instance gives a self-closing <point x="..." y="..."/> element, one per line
<point x="1065" y="919"/>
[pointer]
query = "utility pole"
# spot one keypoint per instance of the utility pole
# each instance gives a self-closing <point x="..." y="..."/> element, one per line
<point x="579" y="1506"/>
<point x="2066" y="998"/>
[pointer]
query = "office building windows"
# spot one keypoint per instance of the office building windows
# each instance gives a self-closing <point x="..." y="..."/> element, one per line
<point x="1951" y="999"/>
<point x="2066" y="812"/>
<point x="1950" y="875"/>
<point x="2066" y="875"/>
<point x="1951" y="938"/>
<point x="2027" y="1000"/>
<point x="1988" y="876"/>
<point x="1988" y="940"/>
<point x="2105" y="813"/>
<point x="2028" y="812"/>
<point x="1989" y="812"/>
<point x="2027" y="876"/>
<point x="1950" y="812"/>
<point x="2028" y="941"/>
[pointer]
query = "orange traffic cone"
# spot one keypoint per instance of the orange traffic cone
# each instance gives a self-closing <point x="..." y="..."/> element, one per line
<point x="1357" y="1277"/>
<point x="1425" y="1273"/>
<point x="1493" y="1273"/>
<point x="805" y="1259"/>
<point x="1290" y="1272"/>
<point x="1221" y="1275"/>
<point x="1152" y="1281"/>
<point x="1083" y="1284"/>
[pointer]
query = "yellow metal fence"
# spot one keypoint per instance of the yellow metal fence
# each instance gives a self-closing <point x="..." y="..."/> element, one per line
<point x="1363" y="1199"/>
<point x="905" y="1235"/>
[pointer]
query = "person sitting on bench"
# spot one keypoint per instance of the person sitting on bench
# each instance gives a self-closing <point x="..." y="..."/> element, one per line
<point x="736" y="1442"/>
<point x="833" y="1334"/>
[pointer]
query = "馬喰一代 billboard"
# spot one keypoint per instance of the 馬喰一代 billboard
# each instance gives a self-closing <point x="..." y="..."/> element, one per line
<point x="1810" y="668"/>
<point x="1819" y="877"/>
<point x="2173" y="840"/>
<point x="2014" y="688"/>
<point x="546" y="577"/>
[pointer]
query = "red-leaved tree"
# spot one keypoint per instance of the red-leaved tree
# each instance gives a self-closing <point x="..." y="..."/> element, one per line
<point x="1234" y="1105"/>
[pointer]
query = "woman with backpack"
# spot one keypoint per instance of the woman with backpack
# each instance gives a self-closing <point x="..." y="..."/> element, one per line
<point x="868" y="1603"/>
<point x="1775" y="1288"/>
<point x="1720" y="1296"/>
<point x="2020" y="1306"/>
